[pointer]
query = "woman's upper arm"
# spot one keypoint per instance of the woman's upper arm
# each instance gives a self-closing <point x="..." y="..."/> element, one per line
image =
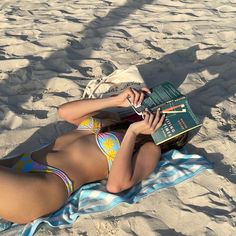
<point x="107" y="118"/>
<point x="143" y="164"/>
<point x="80" y="119"/>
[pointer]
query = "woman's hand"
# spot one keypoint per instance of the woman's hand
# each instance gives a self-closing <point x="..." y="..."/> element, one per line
<point x="135" y="96"/>
<point x="149" y="125"/>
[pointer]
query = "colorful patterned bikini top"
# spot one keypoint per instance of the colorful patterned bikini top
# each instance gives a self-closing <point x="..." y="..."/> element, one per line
<point x="108" y="142"/>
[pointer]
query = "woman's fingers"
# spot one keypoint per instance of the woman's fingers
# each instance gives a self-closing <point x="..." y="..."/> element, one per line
<point x="136" y="96"/>
<point x="146" y="89"/>
<point x="131" y="95"/>
<point x="159" y="124"/>
<point x="156" y="120"/>
<point x="150" y="120"/>
<point x="142" y="94"/>
<point x="146" y="115"/>
<point x="141" y="98"/>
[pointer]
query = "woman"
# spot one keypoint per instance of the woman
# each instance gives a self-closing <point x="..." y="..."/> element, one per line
<point x="29" y="190"/>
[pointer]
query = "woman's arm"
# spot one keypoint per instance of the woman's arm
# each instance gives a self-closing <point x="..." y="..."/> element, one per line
<point x="121" y="170"/>
<point x="76" y="111"/>
<point x="127" y="169"/>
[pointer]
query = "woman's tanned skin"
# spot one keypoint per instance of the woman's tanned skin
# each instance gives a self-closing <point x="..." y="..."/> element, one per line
<point x="27" y="196"/>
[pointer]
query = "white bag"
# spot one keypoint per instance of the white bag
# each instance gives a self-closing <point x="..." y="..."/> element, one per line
<point x="114" y="83"/>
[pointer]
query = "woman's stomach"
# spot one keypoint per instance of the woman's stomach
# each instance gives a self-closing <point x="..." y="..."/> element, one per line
<point x="82" y="160"/>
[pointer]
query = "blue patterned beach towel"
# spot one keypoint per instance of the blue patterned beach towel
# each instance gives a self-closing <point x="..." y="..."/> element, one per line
<point x="173" y="168"/>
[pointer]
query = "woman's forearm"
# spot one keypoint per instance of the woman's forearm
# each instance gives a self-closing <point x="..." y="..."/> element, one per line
<point x="77" y="109"/>
<point x="121" y="170"/>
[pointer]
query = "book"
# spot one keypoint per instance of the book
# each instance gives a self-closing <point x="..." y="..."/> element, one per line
<point x="179" y="116"/>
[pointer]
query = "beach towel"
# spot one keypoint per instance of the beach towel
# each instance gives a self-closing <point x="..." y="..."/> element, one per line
<point x="174" y="168"/>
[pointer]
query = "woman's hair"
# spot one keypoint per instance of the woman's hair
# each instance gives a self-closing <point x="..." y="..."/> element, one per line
<point x="174" y="143"/>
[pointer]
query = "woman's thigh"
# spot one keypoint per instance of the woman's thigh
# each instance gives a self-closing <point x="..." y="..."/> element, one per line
<point x="28" y="196"/>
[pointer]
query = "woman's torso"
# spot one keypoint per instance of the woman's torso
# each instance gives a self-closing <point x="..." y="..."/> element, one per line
<point x="78" y="155"/>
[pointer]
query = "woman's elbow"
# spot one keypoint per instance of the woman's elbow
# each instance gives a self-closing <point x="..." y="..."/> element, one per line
<point x="117" y="188"/>
<point x="61" y="112"/>
<point x="113" y="189"/>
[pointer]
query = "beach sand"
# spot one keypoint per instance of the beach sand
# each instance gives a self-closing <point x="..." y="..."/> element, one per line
<point x="50" y="50"/>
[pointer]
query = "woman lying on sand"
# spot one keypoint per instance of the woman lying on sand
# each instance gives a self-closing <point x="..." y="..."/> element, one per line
<point x="101" y="147"/>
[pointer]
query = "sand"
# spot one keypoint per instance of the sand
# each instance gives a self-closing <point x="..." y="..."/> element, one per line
<point x="50" y="50"/>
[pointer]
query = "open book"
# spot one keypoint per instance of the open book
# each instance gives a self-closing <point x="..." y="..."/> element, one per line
<point x="179" y="116"/>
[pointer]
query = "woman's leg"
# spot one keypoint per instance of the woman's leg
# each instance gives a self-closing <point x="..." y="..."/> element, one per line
<point x="27" y="196"/>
